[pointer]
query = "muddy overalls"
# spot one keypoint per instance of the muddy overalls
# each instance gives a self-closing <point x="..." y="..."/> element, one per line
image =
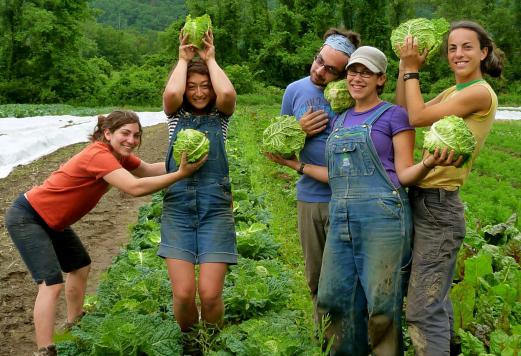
<point x="367" y="247"/>
<point x="197" y="223"/>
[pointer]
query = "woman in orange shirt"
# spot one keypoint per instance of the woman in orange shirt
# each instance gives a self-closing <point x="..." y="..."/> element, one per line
<point x="39" y="220"/>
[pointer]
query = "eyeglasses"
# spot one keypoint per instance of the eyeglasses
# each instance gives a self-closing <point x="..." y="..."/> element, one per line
<point x="364" y="74"/>
<point x="330" y="69"/>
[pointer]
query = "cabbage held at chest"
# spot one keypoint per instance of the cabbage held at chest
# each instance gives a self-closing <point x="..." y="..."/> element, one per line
<point x="193" y="142"/>
<point x="196" y="28"/>
<point x="338" y="96"/>
<point x="450" y="132"/>
<point x="429" y="34"/>
<point x="283" y="136"/>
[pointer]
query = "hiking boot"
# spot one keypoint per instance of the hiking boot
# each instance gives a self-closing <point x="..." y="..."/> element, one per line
<point x="67" y="326"/>
<point x="46" y="351"/>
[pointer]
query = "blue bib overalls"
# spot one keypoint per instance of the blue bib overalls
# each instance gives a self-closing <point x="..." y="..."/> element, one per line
<point x="197" y="223"/>
<point x="368" y="244"/>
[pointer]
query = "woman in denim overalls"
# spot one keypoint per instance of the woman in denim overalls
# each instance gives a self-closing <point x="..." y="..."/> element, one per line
<point x="197" y="225"/>
<point x="370" y="157"/>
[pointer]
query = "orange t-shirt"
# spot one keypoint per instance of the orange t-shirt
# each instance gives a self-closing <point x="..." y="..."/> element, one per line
<point x="73" y="190"/>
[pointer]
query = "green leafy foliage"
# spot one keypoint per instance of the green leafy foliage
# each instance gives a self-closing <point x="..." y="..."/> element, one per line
<point x="255" y="241"/>
<point x="196" y="29"/>
<point x="283" y="136"/>
<point x="452" y="133"/>
<point x="338" y="96"/>
<point x="250" y="291"/>
<point x="429" y="34"/>
<point x="193" y="142"/>
<point x="273" y="334"/>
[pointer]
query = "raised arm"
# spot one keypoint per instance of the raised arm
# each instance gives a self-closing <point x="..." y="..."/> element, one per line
<point x="175" y="87"/>
<point x="137" y="187"/>
<point x="473" y="99"/>
<point x="222" y="86"/>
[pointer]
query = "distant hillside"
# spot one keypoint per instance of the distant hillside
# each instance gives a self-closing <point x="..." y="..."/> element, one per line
<point x="139" y="14"/>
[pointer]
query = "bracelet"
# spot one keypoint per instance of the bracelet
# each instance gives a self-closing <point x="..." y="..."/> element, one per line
<point x="411" y="75"/>
<point x="426" y="166"/>
<point x="301" y="168"/>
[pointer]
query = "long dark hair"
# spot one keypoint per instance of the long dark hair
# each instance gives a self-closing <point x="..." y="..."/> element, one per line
<point x="493" y="62"/>
<point x="112" y="122"/>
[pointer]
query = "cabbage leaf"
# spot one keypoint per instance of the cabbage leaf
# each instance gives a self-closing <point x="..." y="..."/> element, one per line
<point x="193" y="142"/>
<point x="428" y="32"/>
<point x="338" y="96"/>
<point x="283" y="136"/>
<point x="452" y="133"/>
<point x="196" y="28"/>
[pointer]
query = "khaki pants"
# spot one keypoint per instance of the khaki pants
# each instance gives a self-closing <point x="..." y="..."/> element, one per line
<point x="313" y="223"/>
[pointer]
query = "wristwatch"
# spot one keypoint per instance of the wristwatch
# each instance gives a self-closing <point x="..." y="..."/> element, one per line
<point x="301" y="168"/>
<point x="412" y="75"/>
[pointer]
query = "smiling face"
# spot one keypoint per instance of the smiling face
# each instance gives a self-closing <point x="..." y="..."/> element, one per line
<point x="465" y="55"/>
<point x="124" y="140"/>
<point x="199" y="91"/>
<point x="327" y="66"/>
<point x="362" y="83"/>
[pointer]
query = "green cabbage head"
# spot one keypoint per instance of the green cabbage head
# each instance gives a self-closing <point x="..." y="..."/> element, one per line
<point x="194" y="142"/>
<point x="196" y="28"/>
<point x="283" y="136"/>
<point x="453" y="133"/>
<point x="428" y="32"/>
<point x="338" y="96"/>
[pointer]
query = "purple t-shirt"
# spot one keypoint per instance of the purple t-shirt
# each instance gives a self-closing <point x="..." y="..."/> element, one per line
<point x="393" y="121"/>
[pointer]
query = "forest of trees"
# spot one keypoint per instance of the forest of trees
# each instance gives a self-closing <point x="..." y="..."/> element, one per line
<point x="104" y="52"/>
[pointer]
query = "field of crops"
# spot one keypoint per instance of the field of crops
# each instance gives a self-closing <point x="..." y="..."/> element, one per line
<point x="268" y="311"/>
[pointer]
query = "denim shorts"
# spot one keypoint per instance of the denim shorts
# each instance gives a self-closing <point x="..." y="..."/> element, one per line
<point x="46" y="252"/>
<point x="197" y="224"/>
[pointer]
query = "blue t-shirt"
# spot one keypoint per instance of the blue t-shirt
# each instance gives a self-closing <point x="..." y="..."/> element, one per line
<point x="391" y="122"/>
<point x="298" y="97"/>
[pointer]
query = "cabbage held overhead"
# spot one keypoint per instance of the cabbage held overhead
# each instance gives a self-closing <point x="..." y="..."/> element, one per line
<point x="196" y="28"/>
<point x="453" y="133"/>
<point x="338" y="96"/>
<point x="283" y="136"/>
<point x="428" y="32"/>
<point x="194" y="142"/>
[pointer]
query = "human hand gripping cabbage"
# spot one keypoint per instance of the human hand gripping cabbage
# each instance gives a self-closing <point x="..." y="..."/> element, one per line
<point x="192" y="142"/>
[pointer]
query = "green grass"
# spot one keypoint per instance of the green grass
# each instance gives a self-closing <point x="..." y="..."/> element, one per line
<point x="26" y="110"/>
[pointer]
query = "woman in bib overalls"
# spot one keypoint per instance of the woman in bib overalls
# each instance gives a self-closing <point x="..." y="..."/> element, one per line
<point x="197" y="225"/>
<point x="368" y="247"/>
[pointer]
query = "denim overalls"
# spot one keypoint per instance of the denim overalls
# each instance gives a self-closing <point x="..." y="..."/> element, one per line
<point x="361" y="282"/>
<point x="197" y="223"/>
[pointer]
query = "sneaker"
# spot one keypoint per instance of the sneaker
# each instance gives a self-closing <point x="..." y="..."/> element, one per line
<point x="67" y="326"/>
<point x="46" y="351"/>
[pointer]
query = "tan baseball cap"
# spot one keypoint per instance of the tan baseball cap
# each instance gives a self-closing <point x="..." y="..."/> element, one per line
<point x="371" y="57"/>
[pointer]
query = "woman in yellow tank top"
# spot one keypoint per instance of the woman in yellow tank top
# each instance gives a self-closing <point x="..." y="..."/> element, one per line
<point x="438" y="213"/>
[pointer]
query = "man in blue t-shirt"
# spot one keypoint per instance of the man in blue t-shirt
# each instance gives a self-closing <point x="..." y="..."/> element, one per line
<point x="305" y="100"/>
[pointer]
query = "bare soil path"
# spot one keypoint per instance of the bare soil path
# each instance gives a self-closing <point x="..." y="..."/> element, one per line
<point x="103" y="231"/>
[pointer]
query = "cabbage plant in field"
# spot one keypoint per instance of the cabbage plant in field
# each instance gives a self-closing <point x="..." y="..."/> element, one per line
<point x="193" y="142"/>
<point x="196" y="28"/>
<point x="338" y="96"/>
<point x="452" y="133"/>
<point x="283" y="136"/>
<point x="429" y="34"/>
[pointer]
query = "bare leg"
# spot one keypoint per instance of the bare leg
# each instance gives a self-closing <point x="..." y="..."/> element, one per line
<point x="211" y="283"/>
<point x="182" y="277"/>
<point x="44" y="313"/>
<point x="75" y="287"/>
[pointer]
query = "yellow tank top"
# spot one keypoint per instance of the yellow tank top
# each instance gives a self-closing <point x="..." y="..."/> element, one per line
<point x="451" y="178"/>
